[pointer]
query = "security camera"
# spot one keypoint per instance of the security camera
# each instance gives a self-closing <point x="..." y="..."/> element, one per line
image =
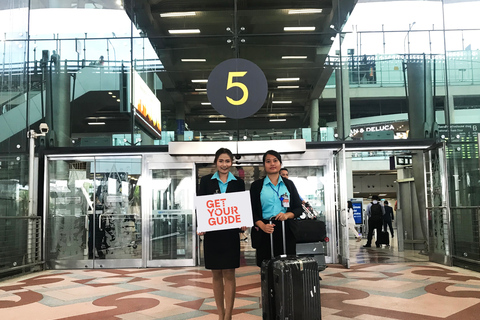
<point x="44" y="128"/>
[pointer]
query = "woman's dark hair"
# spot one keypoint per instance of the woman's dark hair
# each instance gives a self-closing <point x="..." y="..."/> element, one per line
<point x="349" y="204"/>
<point x="273" y="153"/>
<point x="222" y="151"/>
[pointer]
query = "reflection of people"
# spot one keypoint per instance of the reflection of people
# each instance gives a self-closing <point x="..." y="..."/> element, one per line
<point x="276" y="198"/>
<point x="351" y="221"/>
<point x="375" y="213"/>
<point x="388" y="217"/>
<point x="222" y="248"/>
<point x="55" y="59"/>
<point x="95" y="233"/>
<point x="100" y="61"/>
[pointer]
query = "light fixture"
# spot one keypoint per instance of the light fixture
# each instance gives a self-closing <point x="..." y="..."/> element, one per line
<point x="96" y="123"/>
<point x="200" y="80"/>
<point x="294" y="57"/>
<point x="278" y="120"/>
<point x="298" y="28"/>
<point x="288" y="87"/>
<point x="177" y="14"/>
<point x="199" y="89"/>
<point x="110" y="93"/>
<point x="281" y="102"/>
<point x="288" y="79"/>
<point x="217" y="121"/>
<point x="206" y="103"/>
<point x="184" y="31"/>
<point x="193" y="60"/>
<point x="304" y="11"/>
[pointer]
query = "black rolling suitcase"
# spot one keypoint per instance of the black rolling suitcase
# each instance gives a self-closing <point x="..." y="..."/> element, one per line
<point x="290" y="287"/>
<point x="383" y="238"/>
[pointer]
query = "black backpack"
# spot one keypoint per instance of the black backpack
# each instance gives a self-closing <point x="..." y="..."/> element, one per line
<point x="376" y="212"/>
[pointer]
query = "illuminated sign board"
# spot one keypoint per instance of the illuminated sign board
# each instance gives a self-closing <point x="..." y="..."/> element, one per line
<point x="399" y="130"/>
<point x="147" y="106"/>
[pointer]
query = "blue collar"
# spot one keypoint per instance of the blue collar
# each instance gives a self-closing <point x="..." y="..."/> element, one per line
<point x="229" y="178"/>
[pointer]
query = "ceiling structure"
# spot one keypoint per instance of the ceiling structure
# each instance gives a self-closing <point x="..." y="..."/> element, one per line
<point x="249" y="29"/>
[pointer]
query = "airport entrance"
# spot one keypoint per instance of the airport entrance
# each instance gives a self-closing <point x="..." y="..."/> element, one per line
<point x="137" y="209"/>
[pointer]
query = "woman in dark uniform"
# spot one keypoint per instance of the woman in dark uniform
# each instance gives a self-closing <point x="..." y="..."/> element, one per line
<point x="276" y="198"/>
<point x="222" y="248"/>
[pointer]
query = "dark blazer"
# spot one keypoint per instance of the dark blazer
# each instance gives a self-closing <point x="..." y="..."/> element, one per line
<point x="388" y="216"/>
<point x="256" y="188"/>
<point x="210" y="186"/>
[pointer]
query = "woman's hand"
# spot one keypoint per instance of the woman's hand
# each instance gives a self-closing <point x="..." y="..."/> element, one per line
<point x="200" y="233"/>
<point x="244" y="228"/>
<point x="268" y="228"/>
<point x="284" y="216"/>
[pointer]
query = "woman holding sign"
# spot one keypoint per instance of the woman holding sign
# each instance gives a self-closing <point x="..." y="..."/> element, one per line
<point x="273" y="198"/>
<point x="222" y="248"/>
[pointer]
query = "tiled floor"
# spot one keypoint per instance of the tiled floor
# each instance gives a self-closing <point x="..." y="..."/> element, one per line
<point x="381" y="284"/>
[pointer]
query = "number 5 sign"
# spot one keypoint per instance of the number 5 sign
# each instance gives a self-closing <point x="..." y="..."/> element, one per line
<point x="237" y="88"/>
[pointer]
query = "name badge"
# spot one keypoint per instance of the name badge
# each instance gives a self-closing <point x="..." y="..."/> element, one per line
<point x="285" y="201"/>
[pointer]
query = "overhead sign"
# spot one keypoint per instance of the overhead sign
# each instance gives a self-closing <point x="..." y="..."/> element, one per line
<point x="147" y="106"/>
<point x="237" y="88"/>
<point x="223" y="211"/>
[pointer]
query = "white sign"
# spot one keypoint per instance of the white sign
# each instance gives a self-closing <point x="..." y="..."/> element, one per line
<point x="223" y="211"/>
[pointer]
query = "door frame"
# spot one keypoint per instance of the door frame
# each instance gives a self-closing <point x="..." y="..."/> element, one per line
<point x="163" y="162"/>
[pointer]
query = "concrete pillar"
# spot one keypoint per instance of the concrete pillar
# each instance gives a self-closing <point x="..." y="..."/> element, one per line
<point x="343" y="102"/>
<point x="314" y="115"/>
<point x="421" y="115"/>
<point x="61" y="107"/>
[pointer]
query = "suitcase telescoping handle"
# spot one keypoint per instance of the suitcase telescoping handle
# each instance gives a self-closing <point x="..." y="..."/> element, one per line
<point x="283" y="236"/>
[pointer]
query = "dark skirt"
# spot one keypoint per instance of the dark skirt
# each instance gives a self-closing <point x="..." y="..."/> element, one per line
<point x="264" y="251"/>
<point x="221" y="249"/>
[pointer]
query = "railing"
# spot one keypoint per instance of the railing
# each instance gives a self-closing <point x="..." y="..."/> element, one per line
<point x="20" y="243"/>
<point x="387" y="70"/>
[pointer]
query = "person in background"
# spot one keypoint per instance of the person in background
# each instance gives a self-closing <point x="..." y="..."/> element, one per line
<point x="351" y="221"/>
<point x="388" y="217"/>
<point x="284" y="173"/>
<point x="222" y="248"/>
<point x="375" y="213"/>
<point x="273" y="198"/>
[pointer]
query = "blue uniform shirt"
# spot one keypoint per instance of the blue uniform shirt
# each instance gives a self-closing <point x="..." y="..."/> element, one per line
<point x="221" y="184"/>
<point x="270" y="198"/>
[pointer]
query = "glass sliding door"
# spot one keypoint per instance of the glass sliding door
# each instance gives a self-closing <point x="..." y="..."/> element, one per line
<point x="171" y="239"/>
<point x="94" y="213"/>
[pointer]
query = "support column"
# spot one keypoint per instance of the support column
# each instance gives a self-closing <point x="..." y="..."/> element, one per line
<point x="314" y="115"/>
<point x="421" y="117"/>
<point x="343" y="102"/>
<point x="61" y="108"/>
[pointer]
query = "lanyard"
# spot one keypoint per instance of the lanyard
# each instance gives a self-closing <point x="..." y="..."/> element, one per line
<point x="276" y="191"/>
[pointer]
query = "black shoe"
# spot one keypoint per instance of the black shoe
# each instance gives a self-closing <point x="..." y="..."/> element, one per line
<point x="367" y="246"/>
<point x="378" y="246"/>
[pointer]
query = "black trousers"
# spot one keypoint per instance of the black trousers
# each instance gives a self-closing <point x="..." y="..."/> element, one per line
<point x="389" y="223"/>
<point x="374" y="224"/>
